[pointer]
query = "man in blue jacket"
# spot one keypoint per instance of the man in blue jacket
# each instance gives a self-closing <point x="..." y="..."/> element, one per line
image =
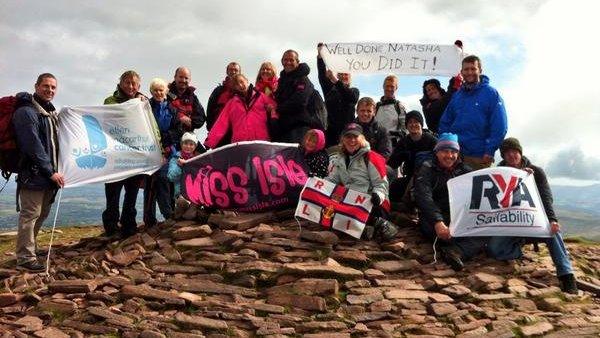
<point x="476" y="114"/>
<point x="35" y="121"/>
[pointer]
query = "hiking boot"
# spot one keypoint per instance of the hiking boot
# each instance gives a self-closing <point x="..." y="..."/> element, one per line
<point x="452" y="257"/>
<point x="32" y="266"/>
<point x="568" y="284"/>
<point x="385" y="230"/>
<point x="127" y="232"/>
<point x="368" y="233"/>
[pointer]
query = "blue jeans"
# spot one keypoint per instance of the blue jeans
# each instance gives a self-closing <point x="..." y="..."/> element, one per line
<point x="469" y="246"/>
<point x="507" y="248"/>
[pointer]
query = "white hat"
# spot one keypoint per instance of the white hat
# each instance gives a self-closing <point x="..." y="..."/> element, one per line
<point x="189" y="137"/>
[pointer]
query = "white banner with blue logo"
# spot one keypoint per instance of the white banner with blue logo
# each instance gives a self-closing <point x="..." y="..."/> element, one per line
<point x="100" y="144"/>
<point x="499" y="201"/>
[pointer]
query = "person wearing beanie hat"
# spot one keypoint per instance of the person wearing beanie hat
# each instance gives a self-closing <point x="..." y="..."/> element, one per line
<point x="510" y="143"/>
<point x="410" y="152"/>
<point x="359" y="168"/>
<point x="447" y="141"/>
<point x="189" y="137"/>
<point x="433" y="202"/>
<point x="315" y="155"/>
<point x="509" y="248"/>
<point x="189" y="148"/>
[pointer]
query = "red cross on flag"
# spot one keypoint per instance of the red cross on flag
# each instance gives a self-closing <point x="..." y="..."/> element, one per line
<point x="334" y="206"/>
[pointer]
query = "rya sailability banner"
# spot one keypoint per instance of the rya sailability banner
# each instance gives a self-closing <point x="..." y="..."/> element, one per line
<point x="500" y="201"/>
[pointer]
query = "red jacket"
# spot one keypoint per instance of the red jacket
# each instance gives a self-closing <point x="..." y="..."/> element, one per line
<point x="246" y="121"/>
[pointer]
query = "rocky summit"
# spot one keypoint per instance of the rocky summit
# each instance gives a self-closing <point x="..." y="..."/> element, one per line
<point x="269" y="276"/>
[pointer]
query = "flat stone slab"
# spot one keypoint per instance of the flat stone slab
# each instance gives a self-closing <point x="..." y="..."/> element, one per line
<point x="316" y="270"/>
<point x="311" y="303"/>
<point x="241" y="222"/>
<point x="407" y="294"/>
<point x="395" y="265"/>
<point x="72" y="286"/>
<point x="200" y="322"/>
<point x="196" y="242"/>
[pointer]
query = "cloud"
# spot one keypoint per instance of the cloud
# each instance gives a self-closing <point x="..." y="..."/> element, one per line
<point x="99" y="40"/>
<point x="538" y="51"/>
<point x="573" y="163"/>
<point x="553" y="102"/>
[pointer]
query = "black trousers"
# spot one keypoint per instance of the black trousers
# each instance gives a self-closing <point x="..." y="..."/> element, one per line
<point x="111" y="216"/>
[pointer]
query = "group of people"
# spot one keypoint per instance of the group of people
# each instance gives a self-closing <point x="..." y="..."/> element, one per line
<point x="374" y="147"/>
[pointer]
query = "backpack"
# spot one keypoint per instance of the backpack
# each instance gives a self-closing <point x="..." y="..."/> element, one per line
<point x="317" y="110"/>
<point x="397" y="106"/>
<point x="9" y="152"/>
<point x="400" y="132"/>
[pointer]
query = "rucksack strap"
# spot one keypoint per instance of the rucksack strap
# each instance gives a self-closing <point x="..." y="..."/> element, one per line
<point x="18" y="205"/>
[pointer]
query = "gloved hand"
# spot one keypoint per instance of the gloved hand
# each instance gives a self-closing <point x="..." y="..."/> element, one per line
<point x="456" y="82"/>
<point x="375" y="199"/>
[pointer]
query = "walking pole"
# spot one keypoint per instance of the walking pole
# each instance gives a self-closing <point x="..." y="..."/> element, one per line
<point x="52" y="234"/>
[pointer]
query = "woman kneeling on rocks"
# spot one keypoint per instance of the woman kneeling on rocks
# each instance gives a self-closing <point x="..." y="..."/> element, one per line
<point x="359" y="168"/>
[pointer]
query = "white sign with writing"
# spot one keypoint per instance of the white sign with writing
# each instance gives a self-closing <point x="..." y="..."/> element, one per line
<point x="396" y="58"/>
<point x="500" y="201"/>
<point x="100" y="144"/>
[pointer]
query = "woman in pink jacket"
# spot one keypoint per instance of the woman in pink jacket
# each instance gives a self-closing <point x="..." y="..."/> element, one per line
<point x="249" y="115"/>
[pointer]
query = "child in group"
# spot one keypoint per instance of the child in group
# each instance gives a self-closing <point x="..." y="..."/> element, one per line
<point x="189" y="149"/>
<point x="315" y="155"/>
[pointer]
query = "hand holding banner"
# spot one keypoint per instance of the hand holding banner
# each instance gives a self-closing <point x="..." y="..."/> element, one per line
<point x="500" y="201"/>
<point x="334" y="206"/>
<point x="397" y="58"/>
<point x="250" y="176"/>
<point x="107" y="143"/>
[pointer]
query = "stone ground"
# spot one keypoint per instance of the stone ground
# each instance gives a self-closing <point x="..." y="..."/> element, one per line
<point x="259" y="275"/>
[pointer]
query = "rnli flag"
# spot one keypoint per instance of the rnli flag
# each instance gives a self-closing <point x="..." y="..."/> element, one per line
<point x="334" y="206"/>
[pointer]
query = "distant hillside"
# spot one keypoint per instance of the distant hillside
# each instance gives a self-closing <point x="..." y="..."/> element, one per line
<point x="577" y="207"/>
<point x="79" y="206"/>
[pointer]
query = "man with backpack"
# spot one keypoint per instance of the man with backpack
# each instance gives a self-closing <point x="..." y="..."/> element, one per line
<point x="389" y="112"/>
<point x="34" y="121"/>
<point x="293" y="95"/>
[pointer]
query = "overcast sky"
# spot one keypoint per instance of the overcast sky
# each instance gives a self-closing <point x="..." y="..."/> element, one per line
<point x="541" y="55"/>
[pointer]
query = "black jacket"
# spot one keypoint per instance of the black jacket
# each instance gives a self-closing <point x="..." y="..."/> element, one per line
<point x="378" y="137"/>
<point x="318" y="163"/>
<point x="433" y="110"/>
<point x="292" y="95"/>
<point x="405" y="153"/>
<point x="431" y="190"/>
<point x="187" y="100"/>
<point x="213" y="107"/>
<point x="541" y="182"/>
<point x="37" y="139"/>
<point x="340" y="101"/>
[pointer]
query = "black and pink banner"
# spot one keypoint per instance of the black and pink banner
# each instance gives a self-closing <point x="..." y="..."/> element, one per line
<point x="251" y="176"/>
